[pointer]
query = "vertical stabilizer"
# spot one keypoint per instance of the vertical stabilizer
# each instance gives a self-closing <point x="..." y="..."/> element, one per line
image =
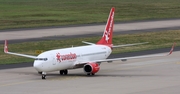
<point x="108" y="31"/>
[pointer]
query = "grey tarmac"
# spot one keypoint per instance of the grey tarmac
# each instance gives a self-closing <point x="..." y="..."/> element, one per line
<point x="126" y="27"/>
<point x="159" y="75"/>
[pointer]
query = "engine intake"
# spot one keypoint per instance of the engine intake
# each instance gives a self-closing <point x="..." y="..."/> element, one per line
<point x="91" y="68"/>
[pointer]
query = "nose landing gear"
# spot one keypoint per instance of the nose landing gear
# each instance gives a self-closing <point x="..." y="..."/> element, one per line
<point x="43" y="75"/>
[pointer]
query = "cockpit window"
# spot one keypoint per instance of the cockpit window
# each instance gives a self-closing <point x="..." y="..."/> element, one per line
<point x="44" y="59"/>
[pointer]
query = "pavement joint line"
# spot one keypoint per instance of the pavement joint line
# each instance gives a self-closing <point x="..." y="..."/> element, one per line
<point x="141" y="66"/>
<point x="177" y="62"/>
<point x="59" y="78"/>
<point x="17" y="83"/>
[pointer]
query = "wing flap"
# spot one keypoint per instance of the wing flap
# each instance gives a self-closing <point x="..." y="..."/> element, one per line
<point x="126" y="58"/>
<point x="135" y="57"/>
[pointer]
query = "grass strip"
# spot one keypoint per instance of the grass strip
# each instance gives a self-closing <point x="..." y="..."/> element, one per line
<point x="156" y="40"/>
<point x="38" y="13"/>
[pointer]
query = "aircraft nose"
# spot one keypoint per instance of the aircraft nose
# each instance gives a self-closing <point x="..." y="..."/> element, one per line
<point x="37" y="65"/>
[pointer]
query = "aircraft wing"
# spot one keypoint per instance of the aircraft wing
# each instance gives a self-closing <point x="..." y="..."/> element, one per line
<point x="23" y="55"/>
<point x="126" y="58"/>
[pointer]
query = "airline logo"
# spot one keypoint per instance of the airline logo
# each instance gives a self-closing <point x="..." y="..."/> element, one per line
<point x="70" y="56"/>
<point x="107" y="33"/>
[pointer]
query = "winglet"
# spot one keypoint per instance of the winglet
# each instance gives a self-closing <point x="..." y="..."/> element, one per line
<point x="170" y="52"/>
<point x="5" y="46"/>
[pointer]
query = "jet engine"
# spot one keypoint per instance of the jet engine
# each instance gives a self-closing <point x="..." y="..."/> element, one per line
<point x="91" y="68"/>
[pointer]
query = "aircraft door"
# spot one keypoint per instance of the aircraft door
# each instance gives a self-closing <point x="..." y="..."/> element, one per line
<point x="54" y="61"/>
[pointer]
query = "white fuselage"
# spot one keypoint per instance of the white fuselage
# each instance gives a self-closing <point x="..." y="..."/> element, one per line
<point x="60" y="59"/>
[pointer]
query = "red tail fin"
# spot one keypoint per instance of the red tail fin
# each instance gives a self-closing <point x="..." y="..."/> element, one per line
<point x="108" y="32"/>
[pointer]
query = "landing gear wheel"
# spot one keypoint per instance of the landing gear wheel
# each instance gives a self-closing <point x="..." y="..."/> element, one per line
<point x="40" y="72"/>
<point x="90" y="74"/>
<point x="43" y="75"/>
<point x="65" y="72"/>
<point x="61" y="72"/>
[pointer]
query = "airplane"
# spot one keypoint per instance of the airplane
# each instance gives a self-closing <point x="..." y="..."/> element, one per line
<point x="88" y="57"/>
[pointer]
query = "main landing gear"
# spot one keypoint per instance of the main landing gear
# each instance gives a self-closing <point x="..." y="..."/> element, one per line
<point x="90" y="74"/>
<point x="65" y="72"/>
<point x="40" y="72"/>
<point x="43" y="75"/>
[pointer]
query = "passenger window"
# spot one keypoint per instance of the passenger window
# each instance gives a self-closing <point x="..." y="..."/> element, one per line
<point x="45" y="59"/>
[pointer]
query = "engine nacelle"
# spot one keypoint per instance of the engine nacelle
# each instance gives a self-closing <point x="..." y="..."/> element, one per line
<point x="91" y="68"/>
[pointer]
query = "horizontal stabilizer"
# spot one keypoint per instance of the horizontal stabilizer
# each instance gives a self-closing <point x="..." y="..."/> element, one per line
<point x="126" y="45"/>
<point x="88" y="43"/>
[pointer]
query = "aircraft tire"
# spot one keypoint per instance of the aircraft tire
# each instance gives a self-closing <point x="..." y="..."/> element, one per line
<point x="43" y="76"/>
<point x="40" y="72"/>
<point x="61" y="72"/>
<point x="88" y="74"/>
<point x="65" y="72"/>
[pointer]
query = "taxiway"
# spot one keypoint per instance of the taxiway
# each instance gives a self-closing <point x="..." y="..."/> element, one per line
<point x="139" y="76"/>
<point x="19" y="35"/>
